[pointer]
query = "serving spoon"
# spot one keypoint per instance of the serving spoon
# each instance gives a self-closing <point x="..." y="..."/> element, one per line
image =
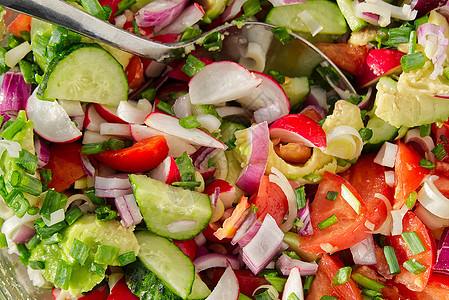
<point x="295" y="58"/>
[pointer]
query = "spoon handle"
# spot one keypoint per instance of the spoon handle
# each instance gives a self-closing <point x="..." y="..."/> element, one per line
<point x="60" y="13"/>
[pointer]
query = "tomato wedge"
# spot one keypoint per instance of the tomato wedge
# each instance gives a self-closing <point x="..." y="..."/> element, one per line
<point x="414" y="282"/>
<point x="100" y="293"/>
<point x="188" y="247"/>
<point x="409" y="174"/>
<point x="437" y="288"/>
<point x="346" y="56"/>
<point x="142" y="156"/>
<point x="134" y="72"/>
<point x="20" y="24"/>
<point x="121" y="291"/>
<point x="368" y="178"/>
<point x="65" y="164"/>
<point x="321" y="285"/>
<point x="350" y="225"/>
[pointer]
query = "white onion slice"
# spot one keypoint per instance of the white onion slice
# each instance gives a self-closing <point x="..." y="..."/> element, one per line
<point x="12" y="148"/>
<point x="90" y="137"/>
<point x="386" y="155"/>
<point x="286" y="264"/>
<point x="397" y="216"/>
<point x="311" y="23"/>
<point x="182" y="107"/>
<point x="73" y="108"/>
<point x="293" y="285"/>
<point x="119" y="181"/>
<point x="426" y="143"/>
<point x="344" y="142"/>
<point x="16" y="54"/>
<point x="390" y="178"/>
<point x="432" y="199"/>
<point x="227" y="287"/>
<point x="87" y="205"/>
<point x="282" y="181"/>
<point x="215" y="260"/>
<point x="187" y="18"/>
<point x="364" y="252"/>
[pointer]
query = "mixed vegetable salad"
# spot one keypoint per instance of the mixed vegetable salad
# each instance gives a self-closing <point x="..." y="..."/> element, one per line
<point x="210" y="178"/>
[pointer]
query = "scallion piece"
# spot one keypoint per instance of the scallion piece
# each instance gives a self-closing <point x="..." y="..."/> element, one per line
<point x="281" y="34"/>
<point x="190" y="33"/>
<point x="342" y="276"/>
<point x="418" y="22"/>
<point x="265" y="295"/>
<point x="47" y="231"/>
<point x="300" y="196"/>
<point x="105" y="213"/>
<point x="63" y="274"/>
<point x="24" y="254"/>
<point x="18" y="203"/>
<point x="126" y="258"/>
<point x="427" y="164"/>
<point x="213" y="41"/>
<point x="136" y="28"/>
<point x="97" y="269"/>
<point x="54" y="239"/>
<point x="106" y="254"/>
<point x="293" y="296"/>
<point x="46" y="175"/>
<point x="412" y="61"/>
<point x="411" y="199"/>
<point x="326" y="297"/>
<point x="37" y="265"/>
<point x="371" y="293"/>
<point x="189" y="122"/>
<point x="90" y="192"/>
<point x="28" y="71"/>
<point x="424" y="130"/>
<point x="33" y="210"/>
<point x="185" y="166"/>
<point x="328" y="222"/>
<point x="414" y="266"/>
<point x="124" y="5"/>
<point x="187" y="184"/>
<point x="94" y="8"/>
<point x="165" y="107"/>
<point x="79" y="251"/>
<point x="412" y="42"/>
<point x="392" y="261"/>
<point x="332" y="195"/>
<point x="355" y="100"/>
<point x="94" y="148"/>
<point x="446" y="72"/>
<point x="33" y="242"/>
<point x="3" y="241"/>
<point x="308" y="283"/>
<point x="276" y="75"/>
<point x="367" y="282"/>
<point x="12" y="129"/>
<point x="73" y="214"/>
<point x="115" y="144"/>
<point x="439" y="152"/>
<point x="192" y="65"/>
<point x="53" y="201"/>
<point x="251" y="7"/>
<point x="366" y="134"/>
<point x="312" y="177"/>
<point x="276" y="281"/>
<point x="413" y="242"/>
<point x="26" y="183"/>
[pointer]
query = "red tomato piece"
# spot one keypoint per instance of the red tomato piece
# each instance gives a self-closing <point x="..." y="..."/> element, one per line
<point x="20" y="24"/>
<point x="414" y="282"/>
<point x="209" y="231"/>
<point x="142" y="156"/>
<point x="188" y="247"/>
<point x="321" y="285"/>
<point x="350" y="225"/>
<point x="270" y="199"/>
<point x="100" y="293"/>
<point x="113" y="4"/>
<point x="437" y="288"/>
<point x="409" y="174"/>
<point x="65" y="164"/>
<point x="248" y="282"/>
<point x="348" y="57"/>
<point x="368" y="178"/>
<point x="121" y="291"/>
<point x="134" y="72"/>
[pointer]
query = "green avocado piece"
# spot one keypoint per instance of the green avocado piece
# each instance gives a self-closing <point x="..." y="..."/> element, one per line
<point x="212" y="9"/>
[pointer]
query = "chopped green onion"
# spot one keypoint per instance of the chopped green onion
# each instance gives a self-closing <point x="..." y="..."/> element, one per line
<point x="332" y="195"/>
<point x="37" y="265"/>
<point x="26" y="183"/>
<point x="136" y="28"/>
<point x="392" y="261"/>
<point x="328" y="222"/>
<point x="326" y="297"/>
<point x="24" y="254"/>
<point x="418" y="22"/>
<point x="149" y="93"/>
<point x="341" y="162"/>
<point x="185" y="166"/>
<point x="33" y="210"/>
<point x="47" y="231"/>
<point x="105" y="213"/>
<point x="371" y="293"/>
<point x="3" y="67"/>
<point x="300" y="196"/>
<point x="293" y="296"/>
<point x="276" y="75"/>
<point x="90" y="192"/>
<point x="124" y="5"/>
<point x="79" y="251"/>
<point x="94" y="8"/>
<point x="366" y="134"/>
<point x="97" y="269"/>
<point x="187" y="184"/>
<point x="46" y="175"/>
<point x="14" y="41"/>
<point x="12" y="129"/>
<point x="412" y="42"/>
<point x="439" y="152"/>
<point x="190" y="33"/>
<point x="367" y="282"/>
<point x="192" y="65"/>
<point x="28" y="71"/>
<point x="165" y="107"/>
<point x="414" y="266"/>
<point x="213" y="41"/>
<point x="412" y="61"/>
<point x="276" y="281"/>
<point x="54" y="239"/>
<point x="424" y="130"/>
<point x="443" y="138"/>
<point x="398" y="35"/>
<point x="265" y="295"/>
<point x="53" y="201"/>
<point x="189" y="122"/>
<point x="413" y="242"/>
<point x="251" y="7"/>
<point x="115" y="144"/>
<point x="282" y="34"/>
<point x="427" y="164"/>
<point x="33" y="242"/>
<point x="312" y="177"/>
<point x="3" y="241"/>
<point x="106" y="254"/>
<point x="411" y="199"/>
<point x="342" y="276"/>
<point x="73" y="214"/>
<point x="126" y="258"/>
<point x="18" y="203"/>
<point x="94" y="148"/>
<point x="308" y="283"/>
<point x="355" y="100"/>
<point x="63" y="274"/>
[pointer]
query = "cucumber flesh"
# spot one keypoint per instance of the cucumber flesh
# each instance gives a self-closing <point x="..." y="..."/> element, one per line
<point x="348" y="12"/>
<point x="296" y="88"/>
<point x="382" y="131"/>
<point x="324" y="12"/>
<point x="167" y="261"/>
<point x="85" y="72"/>
<point x="162" y="204"/>
<point x="199" y="289"/>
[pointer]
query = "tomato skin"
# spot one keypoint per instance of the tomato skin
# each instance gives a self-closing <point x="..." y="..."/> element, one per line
<point x="368" y="178"/>
<point x="248" y="282"/>
<point x="350" y="225"/>
<point x="21" y="23"/>
<point x="347" y="57"/>
<point x="121" y="291"/>
<point x="188" y="247"/>
<point x="437" y="288"/>
<point x="100" y="293"/>
<point x="408" y="173"/>
<point x="321" y="285"/>
<point x="270" y="199"/>
<point x="142" y="156"/>
<point x="134" y="72"/>
<point x="411" y="222"/>
<point x="65" y="164"/>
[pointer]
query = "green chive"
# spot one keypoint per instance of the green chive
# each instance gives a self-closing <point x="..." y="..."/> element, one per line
<point x="332" y="195"/>
<point x="427" y="164"/>
<point x="414" y="266"/>
<point x="46" y="175"/>
<point x="371" y="293"/>
<point x="312" y="177"/>
<point x="37" y="265"/>
<point x="342" y="276"/>
<point x="412" y="61"/>
<point x="33" y="242"/>
<point x="308" y="283"/>
<point x="367" y="282"/>
<point x="79" y="251"/>
<point x="411" y="199"/>
<point x="63" y="274"/>
<point x="94" y="8"/>
<point x="12" y="129"/>
<point x="366" y="134"/>
<point x="420" y="21"/>
<point x="300" y="196"/>
<point x="94" y="148"/>
<point x="187" y="184"/>
<point x="424" y="130"/>
<point x="326" y="297"/>
<point x="328" y="222"/>
<point x="18" y="203"/>
<point x="47" y="231"/>
<point x="412" y="42"/>
<point x="276" y="281"/>
<point x="3" y="241"/>
<point x="106" y="254"/>
<point x="26" y="183"/>
<point x="213" y="41"/>
<point x="439" y="152"/>
<point x="97" y="269"/>
<point x="126" y="258"/>
<point x="282" y="34"/>
<point x="190" y="33"/>
<point x="73" y="214"/>
<point x="24" y="254"/>
<point x="124" y="5"/>
<point x="165" y="107"/>
<point x="105" y="213"/>
<point x="251" y="7"/>
<point x="355" y="100"/>
<point x="54" y="239"/>
<point x="192" y="65"/>
<point x="33" y="210"/>
<point x="392" y="261"/>
<point x="53" y="201"/>
<point x="90" y="192"/>
<point x="276" y="75"/>
<point x="413" y="242"/>
<point x="115" y="144"/>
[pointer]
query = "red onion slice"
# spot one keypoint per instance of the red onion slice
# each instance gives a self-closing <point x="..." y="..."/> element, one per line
<point x="286" y="264"/>
<point x="189" y="17"/>
<point x="42" y="152"/>
<point x="24" y="235"/>
<point x="364" y="252"/>
<point x="280" y="179"/>
<point x="160" y="13"/>
<point x="215" y="260"/>
<point x="425" y="143"/>
<point x="243" y="229"/>
<point x="87" y="166"/>
<point x="232" y="10"/>
<point x="226" y="288"/>
<point x="14" y="92"/>
<point x="119" y="181"/>
<point x="128" y="210"/>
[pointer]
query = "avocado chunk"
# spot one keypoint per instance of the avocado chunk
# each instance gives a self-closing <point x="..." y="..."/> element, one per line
<point x="212" y="9"/>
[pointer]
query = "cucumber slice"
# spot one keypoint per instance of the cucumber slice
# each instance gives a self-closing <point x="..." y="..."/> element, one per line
<point x="199" y="289"/>
<point x="382" y="131"/>
<point x="85" y="72"/>
<point x="167" y="261"/>
<point x="162" y="204"/>
<point x="348" y="12"/>
<point x="296" y="88"/>
<point x="326" y="13"/>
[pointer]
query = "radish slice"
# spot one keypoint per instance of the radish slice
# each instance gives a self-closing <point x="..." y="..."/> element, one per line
<point x="108" y="113"/>
<point x="116" y="129"/>
<point x="51" y="121"/>
<point x="299" y="129"/>
<point x="92" y="119"/>
<point x="293" y="286"/>
<point x="167" y="171"/>
<point x="221" y="81"/>
<point x="170" y="125"/>
<point x="227" y="287"/>
<point x="130" y="113"/>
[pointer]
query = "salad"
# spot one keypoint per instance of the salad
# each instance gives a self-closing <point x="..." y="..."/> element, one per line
<point x="230" y="173"/>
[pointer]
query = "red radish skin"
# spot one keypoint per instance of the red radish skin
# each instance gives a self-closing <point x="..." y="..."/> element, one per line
<point x="92" y="120"/>
<point x="167" y="171"/>
<point x="108" y="113"/>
